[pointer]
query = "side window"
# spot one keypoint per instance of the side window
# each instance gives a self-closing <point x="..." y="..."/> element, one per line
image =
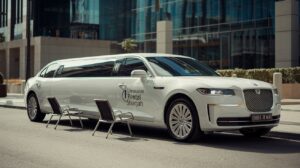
<point x="51" y="71"/>
<point x="102" y="68"/>
<point x="131" y="64"/>
<point x="117" y="66"/>
<point x="42" y="74"/>
<point x="59" y="71"/>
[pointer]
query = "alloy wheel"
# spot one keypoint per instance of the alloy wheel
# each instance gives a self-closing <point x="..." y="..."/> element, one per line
<point x="32" y="107"/>
<point x="180" y="121"/>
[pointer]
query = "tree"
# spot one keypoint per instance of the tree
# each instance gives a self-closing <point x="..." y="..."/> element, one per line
<point x="128" y="45"/>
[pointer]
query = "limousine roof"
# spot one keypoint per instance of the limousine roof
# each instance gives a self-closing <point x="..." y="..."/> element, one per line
<point x="122" y="55"/>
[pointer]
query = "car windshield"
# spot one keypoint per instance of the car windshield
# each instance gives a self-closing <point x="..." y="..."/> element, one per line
<point x="179" y="66"/>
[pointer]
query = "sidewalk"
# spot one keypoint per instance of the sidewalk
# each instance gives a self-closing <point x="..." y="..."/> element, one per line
<point x="289" y="121"/>
<point x="13" y="101"/>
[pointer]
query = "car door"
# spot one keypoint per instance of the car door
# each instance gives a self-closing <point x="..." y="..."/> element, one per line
<point x="134" y="94"/>
<point x="43" y="86"/>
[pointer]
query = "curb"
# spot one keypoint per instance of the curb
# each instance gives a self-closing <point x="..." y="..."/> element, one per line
<point x="14" y="107"/>
<point x="280" y="134"/>
<point x="291" y="110"/>
<point x="289" y="123"/>
<point x="290" y="103"/>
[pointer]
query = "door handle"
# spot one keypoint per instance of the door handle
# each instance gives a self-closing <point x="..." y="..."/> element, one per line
<point x="122" y="86"/>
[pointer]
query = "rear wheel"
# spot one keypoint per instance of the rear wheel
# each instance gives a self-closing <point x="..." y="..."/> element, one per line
<point x="33" y="109"/>
<point x="254" y="132"/>
<point x="182" y="120"/>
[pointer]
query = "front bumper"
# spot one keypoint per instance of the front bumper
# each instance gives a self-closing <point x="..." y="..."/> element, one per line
<point x="221" y="113"/>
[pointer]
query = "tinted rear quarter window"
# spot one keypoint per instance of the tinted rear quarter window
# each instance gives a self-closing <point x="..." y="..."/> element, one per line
<point x="88" y="68"/>
<point x="51" y="71"/>
<point x="42" y="74"/>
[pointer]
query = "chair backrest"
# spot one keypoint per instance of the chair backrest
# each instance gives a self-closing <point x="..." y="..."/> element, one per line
<point x="55" y="105"/>
<point x="105" y="109"/>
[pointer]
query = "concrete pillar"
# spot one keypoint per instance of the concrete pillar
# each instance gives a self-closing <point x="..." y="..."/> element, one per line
<point x="22" y="63"/>
<point x="164" y="37"/>
<point x="277" y="82"/>
<point x="287" y="33"/>
<point x="37" y="55"/>
<point x="8" y="32"/>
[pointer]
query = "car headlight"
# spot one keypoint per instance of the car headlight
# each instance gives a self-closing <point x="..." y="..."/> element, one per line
<point x="213" y="91"/>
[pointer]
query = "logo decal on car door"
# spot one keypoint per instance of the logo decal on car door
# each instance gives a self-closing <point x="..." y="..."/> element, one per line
<point x="132" y="97"/>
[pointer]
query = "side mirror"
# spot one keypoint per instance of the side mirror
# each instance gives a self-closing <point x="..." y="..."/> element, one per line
<point x="139" y="73"/>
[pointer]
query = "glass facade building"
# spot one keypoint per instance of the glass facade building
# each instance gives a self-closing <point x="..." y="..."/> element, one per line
<point x="16" y="13"/>
<point x="66" y="18"/>
<point x="222" y="33"/>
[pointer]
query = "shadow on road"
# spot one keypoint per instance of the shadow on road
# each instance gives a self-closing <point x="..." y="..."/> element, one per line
<point x="274" y="142"/>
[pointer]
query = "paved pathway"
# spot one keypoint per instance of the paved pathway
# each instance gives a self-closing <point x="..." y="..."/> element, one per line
<point x="26" y="144"/>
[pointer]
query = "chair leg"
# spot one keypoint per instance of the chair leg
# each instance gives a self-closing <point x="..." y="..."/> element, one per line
<point x="129" y="128"/>
<point x="80" y="122"/>
<point x="57" y="121"/>
<point x="95" y="129"/>
<point x="70" y="120"/>
<point x="49" y="121"/>
<point x="110" y="129"/>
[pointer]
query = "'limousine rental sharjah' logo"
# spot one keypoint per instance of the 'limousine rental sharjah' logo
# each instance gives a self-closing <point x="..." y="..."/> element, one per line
<point x="132" y="97"/>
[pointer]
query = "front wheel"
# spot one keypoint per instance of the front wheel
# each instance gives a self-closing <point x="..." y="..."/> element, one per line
<point x="254" y="132"/>
<point x="33" y="109"/>
<point x="182" y="120"/>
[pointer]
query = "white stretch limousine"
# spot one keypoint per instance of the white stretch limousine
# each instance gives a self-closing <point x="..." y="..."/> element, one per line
<point x="161" y="90"/>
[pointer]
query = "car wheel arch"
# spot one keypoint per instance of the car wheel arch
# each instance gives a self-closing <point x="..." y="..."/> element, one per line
<point x="174" y="97"/>
<point x="30" y="93"/>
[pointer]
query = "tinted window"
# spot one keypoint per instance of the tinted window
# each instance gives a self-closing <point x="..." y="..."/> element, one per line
<point x="51" y="71"/>
<point x="131" y="64"/>
<point x="179" y="66"/>
<point x="90" y="68"/>
<point x="42" y="74"/>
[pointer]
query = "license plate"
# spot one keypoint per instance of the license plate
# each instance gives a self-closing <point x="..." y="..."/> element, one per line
<point x="261" y="117"/>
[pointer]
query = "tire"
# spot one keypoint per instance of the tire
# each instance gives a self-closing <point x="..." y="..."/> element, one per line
<point x="33" y="109"/>
<point x="254" y="132"/>
<point x="182" y="120"/>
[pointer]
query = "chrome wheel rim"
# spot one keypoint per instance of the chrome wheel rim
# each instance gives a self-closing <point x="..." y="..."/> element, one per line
<point x="32" y="107"/>
<point x="180" y="121"/>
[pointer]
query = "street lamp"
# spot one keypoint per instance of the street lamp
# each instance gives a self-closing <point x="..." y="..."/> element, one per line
<point x="28" y="36"/>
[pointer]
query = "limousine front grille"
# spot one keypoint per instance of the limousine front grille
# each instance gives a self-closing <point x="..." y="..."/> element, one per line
<point x="258" y="100"/>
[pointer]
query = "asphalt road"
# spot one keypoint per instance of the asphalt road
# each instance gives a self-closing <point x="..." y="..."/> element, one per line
<point x="24" y="144"/>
